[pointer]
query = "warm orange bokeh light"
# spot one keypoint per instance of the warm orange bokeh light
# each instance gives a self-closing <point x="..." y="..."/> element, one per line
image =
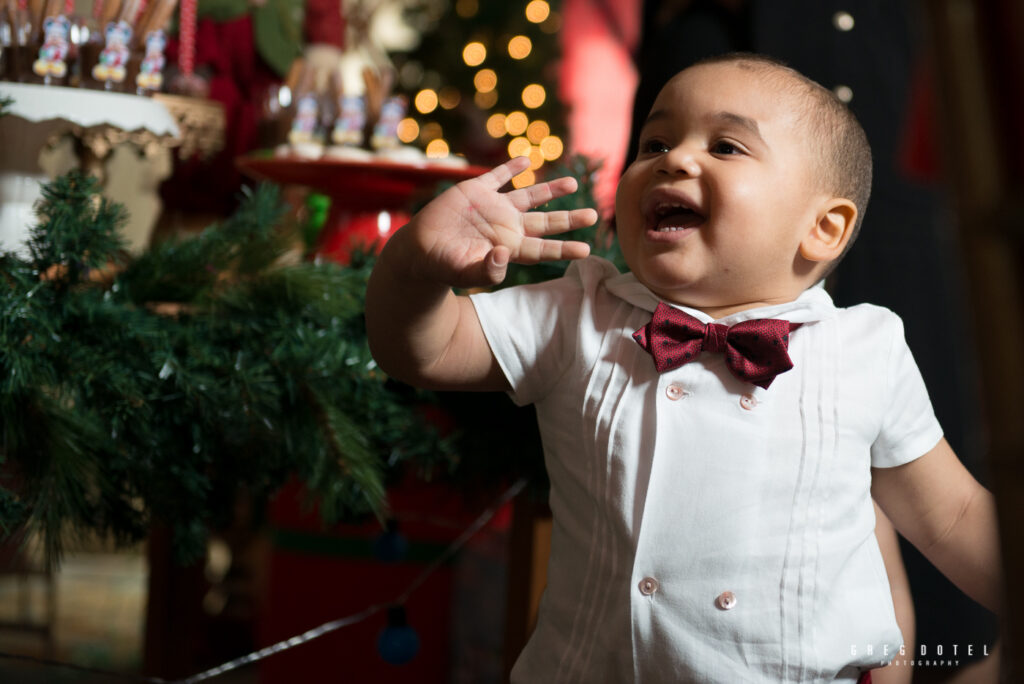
<point x="437" y="149"/>
<point x="474" y="53"/>
<point x="537" y="11"/>
<point x="408" y="130"/>
<point x="430" y="130"/>
<point x="551" y="147"/>
<point x="537" y="131"/>
<point x="426" y="101"/>
<point x="534" y="95"/>
<point x="485" y="80"/>
<point x="519" y="147"/>
<point x="536" y="158"/>
<point x="496" y="125"/>
<point x="516" y="123"/>
<point x="519" y="47"/>
<point x="449" y="97"/>
<point x="486" y="100"/>
<point x="527" y="177"/>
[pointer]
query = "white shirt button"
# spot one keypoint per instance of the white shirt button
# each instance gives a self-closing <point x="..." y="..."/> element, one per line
<point x="844" y="93"/>
<point x="843" y="21"/>
<point x="675" y="392"/>
<point x="648" y="585"/>
<point x="726" y="600"/>
<point x="748" y="401"/>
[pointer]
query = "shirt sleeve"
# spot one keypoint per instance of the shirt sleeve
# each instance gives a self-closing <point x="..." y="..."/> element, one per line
<point x="532" y="329"/>
<point x="909" y="427"/>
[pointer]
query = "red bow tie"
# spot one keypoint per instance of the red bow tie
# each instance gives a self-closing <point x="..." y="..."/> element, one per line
<point x="755" y="351"/>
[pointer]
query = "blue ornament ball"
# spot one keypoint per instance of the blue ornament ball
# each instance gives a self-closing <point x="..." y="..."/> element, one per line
<point x="398" y="643"/>
<point x="390" y="546"/>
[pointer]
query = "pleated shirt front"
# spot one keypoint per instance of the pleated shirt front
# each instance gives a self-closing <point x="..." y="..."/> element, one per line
<point x="704" y="529"/>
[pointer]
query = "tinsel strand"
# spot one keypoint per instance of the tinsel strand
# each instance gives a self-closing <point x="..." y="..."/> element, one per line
<point x="317" y="632"/>
<point x="333" y="625"/>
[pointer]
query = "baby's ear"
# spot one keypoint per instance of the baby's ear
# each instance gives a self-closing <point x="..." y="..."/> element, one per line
<point x="826" y="240"/>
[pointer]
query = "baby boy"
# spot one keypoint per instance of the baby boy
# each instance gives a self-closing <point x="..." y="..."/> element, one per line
<point x="714" y="427"/>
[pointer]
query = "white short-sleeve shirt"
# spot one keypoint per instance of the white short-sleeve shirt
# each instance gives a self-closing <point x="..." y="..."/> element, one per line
<point x="704" y="529"/>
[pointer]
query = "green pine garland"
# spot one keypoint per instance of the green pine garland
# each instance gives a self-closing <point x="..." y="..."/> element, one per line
<point x="117" y="413"/>
<point x="153" y="389"/>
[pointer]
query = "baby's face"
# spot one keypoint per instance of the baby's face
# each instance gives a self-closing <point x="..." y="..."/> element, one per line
<point x="712" y="212"/>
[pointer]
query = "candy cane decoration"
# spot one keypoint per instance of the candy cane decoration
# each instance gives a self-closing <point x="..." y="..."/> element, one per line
<point x="187" y="58"/>
<point x="69" y="8"/>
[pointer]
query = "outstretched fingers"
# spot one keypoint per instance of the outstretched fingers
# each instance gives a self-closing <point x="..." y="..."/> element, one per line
<point x="503" y="173"/>
<point x="541" y="223"/>
<point x="532" y="196"/>
<point x="533" y="250"/>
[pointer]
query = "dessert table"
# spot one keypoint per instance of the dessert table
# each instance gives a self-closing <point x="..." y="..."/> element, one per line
<point x="370" y="199"/>
<point x="99" y="124"/>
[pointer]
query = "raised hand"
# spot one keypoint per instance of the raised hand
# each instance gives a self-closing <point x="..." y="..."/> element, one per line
<point x="468" y="235"/>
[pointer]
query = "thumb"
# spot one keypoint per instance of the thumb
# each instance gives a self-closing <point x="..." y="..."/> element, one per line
<point x="496" y="265"/>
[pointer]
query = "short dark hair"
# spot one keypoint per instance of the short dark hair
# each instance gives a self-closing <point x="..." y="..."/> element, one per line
<point x="843" y="151"/>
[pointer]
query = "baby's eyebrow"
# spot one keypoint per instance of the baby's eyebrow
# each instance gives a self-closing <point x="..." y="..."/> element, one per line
<point x="657" y="114"/>
<point x="743" y="122"/>
<point x="723" y="117"/>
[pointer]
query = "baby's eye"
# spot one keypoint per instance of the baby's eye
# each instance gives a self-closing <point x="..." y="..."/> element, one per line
<point x="725" y="147"/>
<point x="653" y="147"/>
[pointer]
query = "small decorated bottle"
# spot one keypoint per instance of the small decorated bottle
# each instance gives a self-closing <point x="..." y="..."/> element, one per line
<point x="151" y="76"/>
<point x="385" y="132"/>
<point x="348" y="127"/>
<point x="111" y="68"/>
<point x="305" y="138"/>
<point x="51" y="63"/>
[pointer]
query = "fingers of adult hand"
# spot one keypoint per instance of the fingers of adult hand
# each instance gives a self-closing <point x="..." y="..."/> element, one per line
<point x="503" y="173"/>
<point x="536" y="195"/>
<point x="540" y="223"/>
<point x="533" y="250"/>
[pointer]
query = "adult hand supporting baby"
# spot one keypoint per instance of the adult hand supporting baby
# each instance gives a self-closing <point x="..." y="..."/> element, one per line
<point x="418" y="330"/>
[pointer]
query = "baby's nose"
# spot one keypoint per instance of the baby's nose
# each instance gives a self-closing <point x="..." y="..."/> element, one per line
<point x="681" y="159"/>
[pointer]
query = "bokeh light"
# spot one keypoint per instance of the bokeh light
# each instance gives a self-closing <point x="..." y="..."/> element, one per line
<point x="537" y="131"/>
<point x="467" y="8"/>
<point x="408" y="130"/>
<point x="537" y="11"/>
<point x="519" y="147"/>
<point x="527" y="177"/>
<point x="426" y="101"/>
<point x="486" y="100"/>
<point x="519" y="47"/>
<point x="516" y="123"/>
<point x="449" y="97"/>
<point x="534" y="95"/>
<point x="536" y="158"/>
<point x="430" y="131"/>
<point x="551" y="147"/>
<point x="474" y="53"/>
<point x="437" y="148"/>
<point x="553" y="24"/>
<point x="496" y="125"/>
<point x="485" y="80"/>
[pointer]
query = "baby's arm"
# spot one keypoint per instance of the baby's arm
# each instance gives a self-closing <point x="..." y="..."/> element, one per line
<point x="902" y="601"/>
<point x="943" y="511"/>
<point x="419" y="331"/>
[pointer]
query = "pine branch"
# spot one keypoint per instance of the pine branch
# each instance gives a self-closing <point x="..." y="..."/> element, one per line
<point x="57" y="246"/>
<point x="206" y="365"/>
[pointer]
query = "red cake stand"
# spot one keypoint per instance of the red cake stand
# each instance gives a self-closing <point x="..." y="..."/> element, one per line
<point x="370" y="200"/>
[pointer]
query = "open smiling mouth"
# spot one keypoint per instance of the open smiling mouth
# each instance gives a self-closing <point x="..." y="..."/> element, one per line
<point x="670" y="218"/>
